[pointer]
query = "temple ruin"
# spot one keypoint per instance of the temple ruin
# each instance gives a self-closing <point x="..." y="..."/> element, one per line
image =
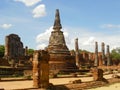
<point x="15" y="53"/>
<point x="13" y="46"/>
<point x="60" y="57"/>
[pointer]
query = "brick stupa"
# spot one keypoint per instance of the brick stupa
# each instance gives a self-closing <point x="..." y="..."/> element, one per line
<point x="60" y="58"/>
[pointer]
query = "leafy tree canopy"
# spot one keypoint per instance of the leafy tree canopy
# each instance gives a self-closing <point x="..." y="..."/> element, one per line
<point x="2" y="50"/>
<point x="30" y="51"/>
<point x="115" y="54"/>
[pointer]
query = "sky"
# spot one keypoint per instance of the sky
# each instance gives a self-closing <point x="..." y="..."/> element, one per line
<point x="87" y="20"/>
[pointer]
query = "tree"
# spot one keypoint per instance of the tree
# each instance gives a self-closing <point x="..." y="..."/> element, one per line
<point x="115" y="54"/>
<point x="2" y="50"/>
<point x="30" y="51"/>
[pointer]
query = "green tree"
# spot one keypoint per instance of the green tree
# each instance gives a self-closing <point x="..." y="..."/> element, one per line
<point x="115" y="55"/>
<point x="2" y="50"/>
<point x="30" y="51"/>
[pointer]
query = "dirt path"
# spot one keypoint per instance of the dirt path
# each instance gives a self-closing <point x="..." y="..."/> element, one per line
<point x="29" y="83"/>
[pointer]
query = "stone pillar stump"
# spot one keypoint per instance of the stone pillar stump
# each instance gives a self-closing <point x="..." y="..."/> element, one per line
<point x="97" y="74"/>
<point x="40" y="69"/>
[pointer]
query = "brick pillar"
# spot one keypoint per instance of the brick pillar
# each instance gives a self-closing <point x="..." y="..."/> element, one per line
<point x="97" y="74"/>
<point x="40" y="69"/>
<point x="36" y="76"/>
<point x="103" y="53"/>
<point x="77" y="52"/>
<point x="108" y="56"/>
<point x="100" y="59"/>
<point x="26" y="51"/>
<point x="96" y="62"/>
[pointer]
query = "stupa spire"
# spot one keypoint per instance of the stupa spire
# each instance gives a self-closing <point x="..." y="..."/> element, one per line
<point x="57" y="25"/>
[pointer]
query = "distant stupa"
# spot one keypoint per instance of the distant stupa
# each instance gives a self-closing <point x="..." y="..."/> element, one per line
<point x="60" y="58"/>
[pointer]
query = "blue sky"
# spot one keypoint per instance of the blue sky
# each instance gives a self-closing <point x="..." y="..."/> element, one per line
<point x="87" y="20"/>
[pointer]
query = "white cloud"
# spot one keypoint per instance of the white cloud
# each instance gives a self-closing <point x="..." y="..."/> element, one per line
<point x="43" y="38"/>
<point x="90" y="41"/>
<point x="66" y="36"/>
<point x="39" y="11"/>
<point x="86" y="39"/>
<point x="110" y="26"/>
<point x="29" y="2"/>
<point x="41" y="46"/>
<point x="6" y="26"/>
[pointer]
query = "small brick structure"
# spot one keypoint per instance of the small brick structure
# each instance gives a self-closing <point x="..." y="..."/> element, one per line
<point x="97" y="74"/>
<point x="40" y="69"/>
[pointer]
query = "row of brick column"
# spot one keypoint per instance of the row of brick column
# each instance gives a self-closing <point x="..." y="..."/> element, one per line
<point x="100" y="58"/>
<point x="106" y="60"/>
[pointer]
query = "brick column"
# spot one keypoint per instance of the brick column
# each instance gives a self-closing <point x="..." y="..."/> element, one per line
<point x="77" y="52"/>
<point x="103" y="53"/>
<point x="96" y="62"/>
<point x="108" y="56"/>
<point x="100" y="59"/>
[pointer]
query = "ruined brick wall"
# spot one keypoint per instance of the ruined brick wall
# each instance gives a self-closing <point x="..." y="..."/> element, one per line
<point x="13" y="46"/>
<point x="85" y="56"/>
<point x="91" y="56"/>
<point x="4" y="62"/>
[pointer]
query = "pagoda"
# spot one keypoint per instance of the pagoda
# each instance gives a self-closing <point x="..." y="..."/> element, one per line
<point x="60" y="57"/>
